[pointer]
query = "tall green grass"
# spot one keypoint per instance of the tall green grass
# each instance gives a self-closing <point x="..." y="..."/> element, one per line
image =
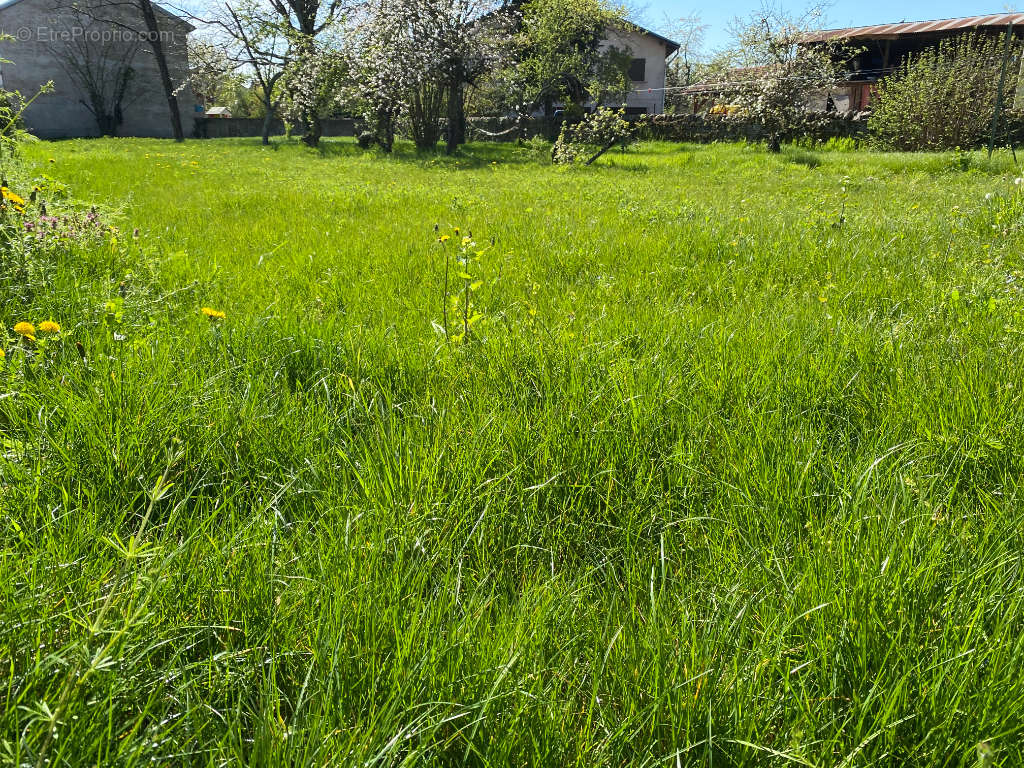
<point x="729" y="473"/>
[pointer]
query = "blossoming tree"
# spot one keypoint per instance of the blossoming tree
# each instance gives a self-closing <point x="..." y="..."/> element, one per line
<point x="775" y="69"/>
<point x="411" y="58"/>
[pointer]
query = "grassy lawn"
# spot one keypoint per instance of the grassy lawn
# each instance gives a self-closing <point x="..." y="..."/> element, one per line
<point x="727" y="472"/>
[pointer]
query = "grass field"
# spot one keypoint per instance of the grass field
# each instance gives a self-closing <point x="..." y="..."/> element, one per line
<point x="726" y="472"/>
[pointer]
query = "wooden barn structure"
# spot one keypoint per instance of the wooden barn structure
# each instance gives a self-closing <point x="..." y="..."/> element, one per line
<point x="885" y="47"/>
<point x="882" y="49"/>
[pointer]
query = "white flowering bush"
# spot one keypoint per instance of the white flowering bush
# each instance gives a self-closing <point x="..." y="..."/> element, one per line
<point x="311" y="83"/>
<point x="594" y="135"/>
<point x="775" y="68"/>
<point x="408" y="60"/>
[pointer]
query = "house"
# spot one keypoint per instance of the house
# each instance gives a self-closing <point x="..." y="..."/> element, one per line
<point x="99" y="57"/>
<point x="650" y="55"/>
<point x="648" y="69"/>
<point x="885" y="47"/>
<point x="221" y="113"/>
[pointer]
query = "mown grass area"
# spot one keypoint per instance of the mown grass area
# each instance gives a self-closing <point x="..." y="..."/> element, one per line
<point x="728" y="473"/>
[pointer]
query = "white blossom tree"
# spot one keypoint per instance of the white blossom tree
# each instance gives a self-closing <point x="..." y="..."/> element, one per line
<point x="776" y="69"/>
<point x="311" y="85"/>
<point x="411" y="58"/>
<point x="594" y="135"/>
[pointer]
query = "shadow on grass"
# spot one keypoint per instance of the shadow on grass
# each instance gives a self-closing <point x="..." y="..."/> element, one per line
<point x="800" y="156"/>
<point x="468" y="156"/>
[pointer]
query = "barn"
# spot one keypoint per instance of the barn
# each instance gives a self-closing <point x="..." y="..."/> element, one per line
<point x="885" y="47"/>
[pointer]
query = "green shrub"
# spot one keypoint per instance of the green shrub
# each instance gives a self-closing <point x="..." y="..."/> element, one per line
<point x="944" y="97"/>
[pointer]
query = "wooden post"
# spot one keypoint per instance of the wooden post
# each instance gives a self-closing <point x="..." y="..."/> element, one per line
<point x="999" y="90"/>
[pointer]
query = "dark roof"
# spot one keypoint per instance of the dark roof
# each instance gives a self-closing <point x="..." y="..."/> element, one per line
<point x="918" y="27"/>
<point x="671" y="45"/>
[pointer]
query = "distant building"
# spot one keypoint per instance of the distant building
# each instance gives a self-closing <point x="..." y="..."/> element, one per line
<point x="219" y="112"/>
<point x="97" y="54"/>
<point x="650" y="55"/>
<point x="647" y="71"/>
<point x="885" y="47"/>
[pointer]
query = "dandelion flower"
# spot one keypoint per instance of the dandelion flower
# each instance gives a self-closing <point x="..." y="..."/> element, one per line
<point x="2" y="354"/>
<point x="8" y="195"/>
<point x="443" y="239"/>
<point x="48" y="326"/>
<point x="213" y="314"/>
<point x="25" y="329"/>
<point x="466" y="241"/>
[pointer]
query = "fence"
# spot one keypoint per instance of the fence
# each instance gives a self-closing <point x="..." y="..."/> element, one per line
<point x="689" y="128"/>
<point x="234" y="127"/>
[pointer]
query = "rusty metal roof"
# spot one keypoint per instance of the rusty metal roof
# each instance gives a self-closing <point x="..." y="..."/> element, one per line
<point x="918" y="27"/>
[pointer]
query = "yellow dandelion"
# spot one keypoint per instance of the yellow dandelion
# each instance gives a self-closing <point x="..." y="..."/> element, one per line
<point x="25" y="329"/>
<point x="456" y="231"/>
<point x="48" y="326"/>
<point x="213" y="314"/>
<point x="466" y="241"/>
<point x="2" y="354"/>
<point x="8" y="195"/>
<point x="443" y="239"/>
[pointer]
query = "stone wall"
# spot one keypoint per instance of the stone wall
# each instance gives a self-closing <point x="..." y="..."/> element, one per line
<point x="702" y="129"/>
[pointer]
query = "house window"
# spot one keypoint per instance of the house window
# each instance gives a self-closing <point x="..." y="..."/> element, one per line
<point x="638" y="70"/>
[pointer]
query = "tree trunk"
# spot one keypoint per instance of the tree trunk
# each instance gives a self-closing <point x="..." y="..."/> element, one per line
<point x="456" y="116"/>
<point x="314" y="130"/>
<point x="603" y="149"/>
<point x="268" y="119"/>
<point x="149" y="15"/>
<point x="385" y="130"/>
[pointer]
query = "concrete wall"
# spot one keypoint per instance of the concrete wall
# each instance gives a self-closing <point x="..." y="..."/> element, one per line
<point x="233" y="127"/>
<point x="643" y="46"/>
<point x="53" y="42"/>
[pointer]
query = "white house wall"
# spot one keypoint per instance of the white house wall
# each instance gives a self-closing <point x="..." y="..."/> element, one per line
<point x="643" y="46"/>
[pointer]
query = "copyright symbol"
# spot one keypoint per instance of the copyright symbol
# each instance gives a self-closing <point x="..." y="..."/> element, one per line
<point x="24" y="34"/>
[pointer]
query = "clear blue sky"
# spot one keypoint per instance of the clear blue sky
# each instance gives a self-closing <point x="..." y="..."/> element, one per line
<point x="657" y="14"/>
